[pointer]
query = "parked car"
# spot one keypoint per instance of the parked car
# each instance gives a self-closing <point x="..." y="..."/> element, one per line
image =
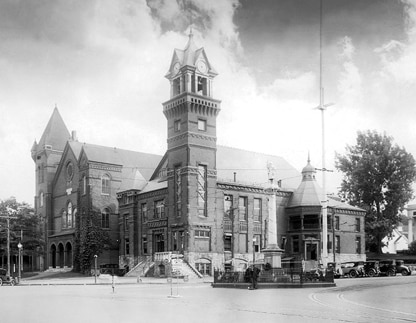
<point x="336" y="268"/>
<point x="371" y="268"/>
<point x="353" y="269"/>
<point x="6" y="279"/>
<point x="387" y="268"/>
<point x="404" y="269"/>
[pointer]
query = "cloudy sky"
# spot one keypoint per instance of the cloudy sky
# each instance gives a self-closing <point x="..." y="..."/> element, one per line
<point x="102" y="63"/>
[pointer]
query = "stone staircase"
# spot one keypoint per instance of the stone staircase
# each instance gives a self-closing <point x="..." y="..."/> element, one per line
<point x="141" y="268"/>
<point x="182" y="268"/>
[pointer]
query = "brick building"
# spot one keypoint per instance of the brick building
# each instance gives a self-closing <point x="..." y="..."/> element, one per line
<point x="210" y="205"/>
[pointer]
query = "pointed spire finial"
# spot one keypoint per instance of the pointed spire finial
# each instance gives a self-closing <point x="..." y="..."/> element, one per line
<point x="309" y="157"/>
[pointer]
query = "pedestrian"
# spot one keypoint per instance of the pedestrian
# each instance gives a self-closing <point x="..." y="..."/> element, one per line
<point x="255" y="277"/>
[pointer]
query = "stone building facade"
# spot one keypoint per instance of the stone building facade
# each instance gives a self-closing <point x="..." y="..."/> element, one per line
<point x="208" y="204"/>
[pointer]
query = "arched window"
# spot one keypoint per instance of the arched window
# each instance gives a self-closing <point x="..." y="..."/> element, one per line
<point x="69" y="215"/>
<point x="74" y="217"/>
<point x="41" y="199"/>
<point x="105" y="218"/>
<point x="105" y="184"/>
<point x="84" y="185"/>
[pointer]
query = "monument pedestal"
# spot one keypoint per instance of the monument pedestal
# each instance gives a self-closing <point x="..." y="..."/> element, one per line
<point x="273" y="256"/>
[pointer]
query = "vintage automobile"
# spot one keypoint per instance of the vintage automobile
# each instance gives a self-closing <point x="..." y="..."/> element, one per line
<point x="6" y="279"/>
<point x="353" y="269"/>
<point x="387" y="268"/>
<point x="404" y="269"/>
<point x="371" y="268"/>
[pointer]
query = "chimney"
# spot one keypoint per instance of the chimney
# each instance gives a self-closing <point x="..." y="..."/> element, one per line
<point x="74" y="136"/>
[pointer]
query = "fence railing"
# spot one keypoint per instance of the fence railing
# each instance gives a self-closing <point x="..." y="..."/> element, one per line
<point x="276" y="275"/>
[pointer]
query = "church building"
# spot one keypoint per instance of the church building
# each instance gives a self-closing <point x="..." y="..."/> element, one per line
<point x="206" y="205"/>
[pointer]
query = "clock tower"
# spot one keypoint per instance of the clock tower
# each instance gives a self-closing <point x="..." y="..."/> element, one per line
<point x="191" y="114"/>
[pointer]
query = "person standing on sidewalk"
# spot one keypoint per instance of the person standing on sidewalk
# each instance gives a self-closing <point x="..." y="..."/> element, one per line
<point x="255" y="276"/>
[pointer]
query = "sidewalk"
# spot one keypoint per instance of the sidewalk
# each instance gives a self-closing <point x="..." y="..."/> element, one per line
<point x="43" y="280"/>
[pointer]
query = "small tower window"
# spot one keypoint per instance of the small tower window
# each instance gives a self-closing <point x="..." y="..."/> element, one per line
<point x="176" y="86"/>
<point x="177" y="125"/>
<point x="202" y="125"/>
<point x="202" y="86"/>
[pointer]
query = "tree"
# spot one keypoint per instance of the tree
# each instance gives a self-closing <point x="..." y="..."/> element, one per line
<point x="412" y="248"/>
<point x="24" y="228"/>
<point x="90" y="240"/>
<point x="378" y="177"/>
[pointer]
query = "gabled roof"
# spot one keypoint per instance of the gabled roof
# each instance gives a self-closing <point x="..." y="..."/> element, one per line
<point x="188" y="57"/>
<point x="56" y="133"/>
<point x="251" y="168"/>
<point x="137" y="167"/>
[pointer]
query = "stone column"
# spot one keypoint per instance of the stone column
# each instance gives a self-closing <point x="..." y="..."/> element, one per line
<point x="272" y="253"/>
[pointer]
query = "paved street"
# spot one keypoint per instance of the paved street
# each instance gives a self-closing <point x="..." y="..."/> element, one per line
<point x="384" y="299"/>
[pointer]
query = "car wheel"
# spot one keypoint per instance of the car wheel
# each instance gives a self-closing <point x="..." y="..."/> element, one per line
<point x="12" y="282"/>
<point x="353" y="274"/>
<point x="371" y="273"/>
<point x="1" y="282"/>
<point x="404" y="272"/>
<point x="391" y="273"/>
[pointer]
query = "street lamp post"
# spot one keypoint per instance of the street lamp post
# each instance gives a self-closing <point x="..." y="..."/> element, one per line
<point x="20" y="246"/>
<point x="95" y="268"/>
<point x="254" y="250"/>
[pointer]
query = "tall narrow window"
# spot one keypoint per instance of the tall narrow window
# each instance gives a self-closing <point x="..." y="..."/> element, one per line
<point x="69" y="215"/>
<point x="242" y="208"/>
<point x="336" y="222"/>
<point x="105" y="219"/>
<point x="84" y="185"/>
<point x="41" y="198"/>
<point x="358" y="245"/>
<point x="175" y="240"/>
<point x="159" y="209"/>
<point x="295" y="243"/>
<point x="105" y="185"/>
<point x="178" y="191"/>
<point x="202" y="190"/>
<point x="257" y="240"/>
<point x="177" y="125"/>
<point x="257" y="210"/>
<point x="143" y="211"/>
<point x="228" y="205"/>
<point x="127" y="246"/>
<point x="144" y="244"/>
<point x="337" y="244"/>
<point x="357" y="225"/>
<point x="74" y="217"/>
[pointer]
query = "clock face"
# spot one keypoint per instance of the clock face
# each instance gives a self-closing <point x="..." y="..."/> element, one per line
<point x="202" y="67"/>
<point x="176" y="68"/>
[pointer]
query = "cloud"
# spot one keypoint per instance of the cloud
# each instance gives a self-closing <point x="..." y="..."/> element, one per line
<point x="350" y="80"/>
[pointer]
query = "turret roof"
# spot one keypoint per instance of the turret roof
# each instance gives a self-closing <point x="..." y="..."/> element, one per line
<point x="56" y="133"/>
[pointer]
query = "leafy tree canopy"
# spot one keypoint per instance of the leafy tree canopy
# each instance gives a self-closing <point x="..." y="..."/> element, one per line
<point x="378" y="176"/>
<point x="24" y="226"/>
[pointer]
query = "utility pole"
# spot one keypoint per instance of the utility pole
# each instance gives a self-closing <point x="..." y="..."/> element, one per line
<point x="8" y="217"/>
<point x="322" y="106"/>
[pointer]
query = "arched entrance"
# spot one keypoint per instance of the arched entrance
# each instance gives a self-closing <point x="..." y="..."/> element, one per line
<point x="53" y="256"/>
<point x="68" y="254"/>
<point x="61" y="255"/>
